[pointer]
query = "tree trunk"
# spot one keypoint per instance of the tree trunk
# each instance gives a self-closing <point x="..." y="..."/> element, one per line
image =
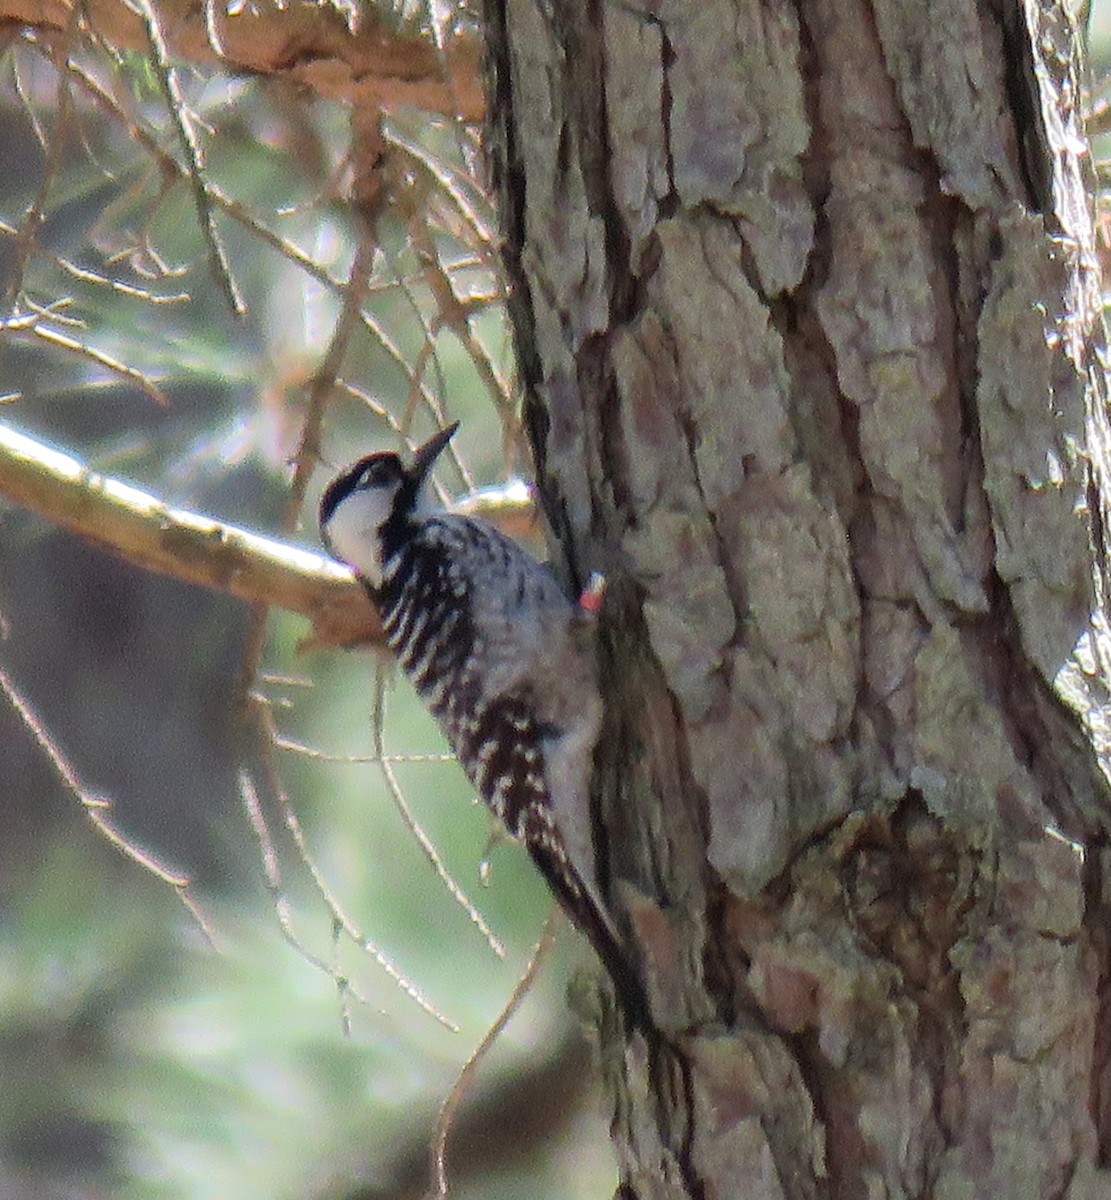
<point x="807" y="317"/>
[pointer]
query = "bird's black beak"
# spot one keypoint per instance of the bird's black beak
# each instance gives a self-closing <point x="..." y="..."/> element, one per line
<point x="427" y="454"/>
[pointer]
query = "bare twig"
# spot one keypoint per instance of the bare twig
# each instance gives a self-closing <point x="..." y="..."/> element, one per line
<point x="117" y="285"/>
<point x="307" y="454"/>
<point x="239" y="212"/>
<point x="159" y="58"/>
<point x="438" y="1145"/>
<point x="284" y="910"/>
<point x="309" y="44"/>
<point x="465" y="197"/>
<point x="54" y="338"/>
<point x="30" y="110"/>
<point x="317" y="755"/>
<point x="98" y="808"/>
<point x="171" y="168"/>
<point x="325" y="377"/>
<point x="54" y="147"/>
<point x="454" y="313"/>
<point x="385" y="764"/>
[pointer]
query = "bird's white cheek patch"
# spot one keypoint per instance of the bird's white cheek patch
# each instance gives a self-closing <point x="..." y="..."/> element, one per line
<point x="354" y="532"/>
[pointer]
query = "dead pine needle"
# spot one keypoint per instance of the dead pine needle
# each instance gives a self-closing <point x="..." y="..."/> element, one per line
<point x="438" y="1146"/>
<point x="423" y="840"/>
<point x="159" y="59"/>
<point x="340" y="920"/>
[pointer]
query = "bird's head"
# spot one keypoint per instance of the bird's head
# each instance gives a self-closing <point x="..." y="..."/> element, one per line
<point x="369" y="509"/>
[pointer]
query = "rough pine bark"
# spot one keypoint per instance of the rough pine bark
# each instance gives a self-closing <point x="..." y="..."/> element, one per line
<point x="807" y="317"/>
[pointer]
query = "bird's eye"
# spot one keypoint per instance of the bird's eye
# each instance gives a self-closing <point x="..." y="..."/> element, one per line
<point x="374" y="475"/>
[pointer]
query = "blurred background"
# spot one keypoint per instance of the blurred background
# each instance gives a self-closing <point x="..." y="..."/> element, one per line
<point x="138" y="1056"/>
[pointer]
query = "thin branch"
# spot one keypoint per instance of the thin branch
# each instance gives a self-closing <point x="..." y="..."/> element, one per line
<point x="239" y="212"/>
<point x="324" y="379"/>
<point x="98" y="808"/>
<point x="35" y="216"/>
<point x="159" y="58"/>
<point x="307" y="455"/>
<point x="172" y="169"/>
<point x="312" y="45"/>
<point x="316" y="755"/>
<point x="418" y="389"/>
<point x="284" y="910"/>
<point x="416" y="829"/>
<point x="438" y="1146"/>
<point x="451" y="186"/>
<point x="453" y="313"/>
<point x="116" y="285"/>
<point x="54" y="311"/>
<point x="55" y="338"/>
<point x="30" y="110"/>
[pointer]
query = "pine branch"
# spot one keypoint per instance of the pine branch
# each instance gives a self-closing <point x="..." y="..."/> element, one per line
<point x="340" y="51"/>
<point x="143" y="530"/>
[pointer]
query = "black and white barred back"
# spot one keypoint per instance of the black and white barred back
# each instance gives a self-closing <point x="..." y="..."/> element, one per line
<point x="503" y="660"/>
<point x="446" y="620"/>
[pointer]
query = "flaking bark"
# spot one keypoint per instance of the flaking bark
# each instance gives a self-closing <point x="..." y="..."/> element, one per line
<point x="807" y="315"/>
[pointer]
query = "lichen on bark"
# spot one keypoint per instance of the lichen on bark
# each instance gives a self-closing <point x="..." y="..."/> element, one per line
<point x="807" y="359"/>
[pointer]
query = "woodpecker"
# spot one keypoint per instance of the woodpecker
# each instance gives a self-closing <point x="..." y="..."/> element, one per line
<point x="503" y="660"/>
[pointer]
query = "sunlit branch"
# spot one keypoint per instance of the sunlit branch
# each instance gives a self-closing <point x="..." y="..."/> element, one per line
<point x="312" y="45"/>
<point x="193" y="548"/>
